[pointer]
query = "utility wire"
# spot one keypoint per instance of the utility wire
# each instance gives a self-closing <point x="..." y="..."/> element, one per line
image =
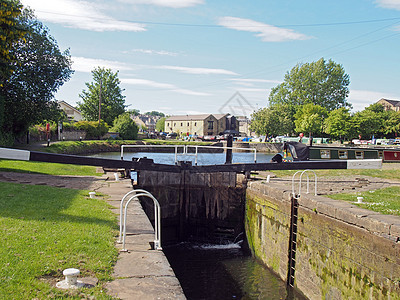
<point x="219" y="26"/>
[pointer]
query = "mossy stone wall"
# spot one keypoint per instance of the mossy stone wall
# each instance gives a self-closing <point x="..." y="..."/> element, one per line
<point x="342" y="251"/>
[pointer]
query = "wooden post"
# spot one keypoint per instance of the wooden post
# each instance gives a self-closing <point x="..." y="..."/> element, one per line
<point x="229" y="143"/>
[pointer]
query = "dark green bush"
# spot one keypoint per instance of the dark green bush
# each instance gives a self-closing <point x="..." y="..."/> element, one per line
<point x="93" y="128"/>
<point x="126" y="127"/>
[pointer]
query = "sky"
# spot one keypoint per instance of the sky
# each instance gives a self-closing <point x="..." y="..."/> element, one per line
<point x="223" y="56"/>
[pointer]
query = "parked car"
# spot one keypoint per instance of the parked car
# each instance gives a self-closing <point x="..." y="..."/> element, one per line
<point x="172" y="135"/>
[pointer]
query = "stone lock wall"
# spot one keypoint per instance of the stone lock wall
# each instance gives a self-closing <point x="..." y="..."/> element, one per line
<point x="343" y="252"/>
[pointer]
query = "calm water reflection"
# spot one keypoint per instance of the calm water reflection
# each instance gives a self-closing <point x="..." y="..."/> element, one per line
<point x="202" y="159"/>
<point x="224" y="272"/>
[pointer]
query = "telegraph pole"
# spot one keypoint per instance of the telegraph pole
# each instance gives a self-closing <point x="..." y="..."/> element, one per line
<point x="100" y="97"/>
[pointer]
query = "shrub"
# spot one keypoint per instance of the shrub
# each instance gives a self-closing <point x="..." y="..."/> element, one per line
<point x="126" y="127"/>
<point x="93" y="128"/>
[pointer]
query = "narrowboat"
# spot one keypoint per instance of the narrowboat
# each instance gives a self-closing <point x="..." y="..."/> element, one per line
<point x="344" y="152"/>
<point x="301" y="151"/>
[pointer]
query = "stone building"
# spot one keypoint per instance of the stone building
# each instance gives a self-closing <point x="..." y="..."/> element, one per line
<point x="390" y="104"/>
<point x="146" y="121"/>
<point x="201" y="125"/>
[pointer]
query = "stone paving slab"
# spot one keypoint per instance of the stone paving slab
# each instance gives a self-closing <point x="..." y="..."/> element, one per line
<point x="146" y="288"/>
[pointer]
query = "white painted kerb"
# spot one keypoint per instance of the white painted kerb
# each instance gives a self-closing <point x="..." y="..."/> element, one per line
<point x="364" y="164"/>
<point x="14" y="154"/>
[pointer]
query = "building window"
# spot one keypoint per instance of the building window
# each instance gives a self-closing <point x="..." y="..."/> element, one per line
<point x="210" y="125"/>
<point x="188" y="123"/>
<point x="195" y="124"/>
<point x="174" y="124"/>
<point x="167" y="124"/>
<point x="181" y="124"/>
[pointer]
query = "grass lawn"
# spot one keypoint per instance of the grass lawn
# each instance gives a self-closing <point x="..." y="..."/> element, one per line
<point x="385" y="201"/>
<point x="389" y="171"/>
<point x="45" y="230"/>
<point x="46" y="168"/>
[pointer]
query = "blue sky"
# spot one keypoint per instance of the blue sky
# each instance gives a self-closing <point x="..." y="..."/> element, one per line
<point x="192" y="56"/>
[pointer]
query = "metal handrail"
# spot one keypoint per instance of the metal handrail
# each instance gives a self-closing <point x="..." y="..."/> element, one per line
<point x="185" y="150"/>
<point x="155" y="146"/>
<point x="223" y="147"/>
<point x="308" y="182"/>
<point x="157" y="217"/>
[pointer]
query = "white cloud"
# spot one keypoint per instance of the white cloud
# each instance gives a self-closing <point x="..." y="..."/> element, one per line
<point x="79" y="14"/>
<point x="253" y="82"/>
<point x="266" y="32"/>
<point x="198" y="71"/>
<point x="83" y="64"/>
<point x="360" y="99"/>
<point x="166" y="3"/>
<point x="253" y="90"/>
<point x="163" y="86"/>
<point x="152" y="52"/>
<point x="391" y="4"/>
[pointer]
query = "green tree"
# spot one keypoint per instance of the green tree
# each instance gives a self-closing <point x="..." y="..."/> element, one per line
<point x="376" y="121"/>
<point x="126" y="127"/>
<point x="339" y="123"/>
<point x="155" y="114"/>
<point x="28" y="95"/>
<point x="310" y="118"/>
<point x="105" y="85"/>
<point x="274" y="120"/>
<point x="134" y="112"/>
<point x="11" y="32"/>
<point x="160" y="125"/>
<point x="323" y="83"/>
<point x="370" y="121"/>
<point x="392" y="123"/>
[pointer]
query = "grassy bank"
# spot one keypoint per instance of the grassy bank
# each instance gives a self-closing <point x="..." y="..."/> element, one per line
<point x="388" y="171"/>
<point x="46" y="230"/>
<point x="96" y="146"/>
<point x="385" y="201"/>
<point x="46" y="168"/>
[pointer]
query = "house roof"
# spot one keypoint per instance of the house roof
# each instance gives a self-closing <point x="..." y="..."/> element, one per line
<point x="220" y="116"/>
<point x="188" y="117"/>
<point x="195" y="117"/>
<point x="392" y="102"/>
<point x="68" y="105"/>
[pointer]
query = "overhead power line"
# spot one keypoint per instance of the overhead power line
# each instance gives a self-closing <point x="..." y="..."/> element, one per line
<point x="219" y="26"/>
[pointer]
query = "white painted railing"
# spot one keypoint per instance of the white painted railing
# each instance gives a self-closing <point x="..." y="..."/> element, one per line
<point x="308" y="182"/>
<point x="186" y="152"/>
<point x="134" y="195"/>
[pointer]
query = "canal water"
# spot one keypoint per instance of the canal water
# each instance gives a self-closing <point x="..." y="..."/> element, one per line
<point x="218" y="272"/>
<point x="202" y="158"/>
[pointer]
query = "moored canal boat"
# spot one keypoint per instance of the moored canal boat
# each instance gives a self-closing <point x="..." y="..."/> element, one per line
<point x="321" y="152"/>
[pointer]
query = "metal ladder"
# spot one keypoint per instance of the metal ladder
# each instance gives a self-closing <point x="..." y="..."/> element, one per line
<point x="292" y="241"/>
<point x="294" y="213"/>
